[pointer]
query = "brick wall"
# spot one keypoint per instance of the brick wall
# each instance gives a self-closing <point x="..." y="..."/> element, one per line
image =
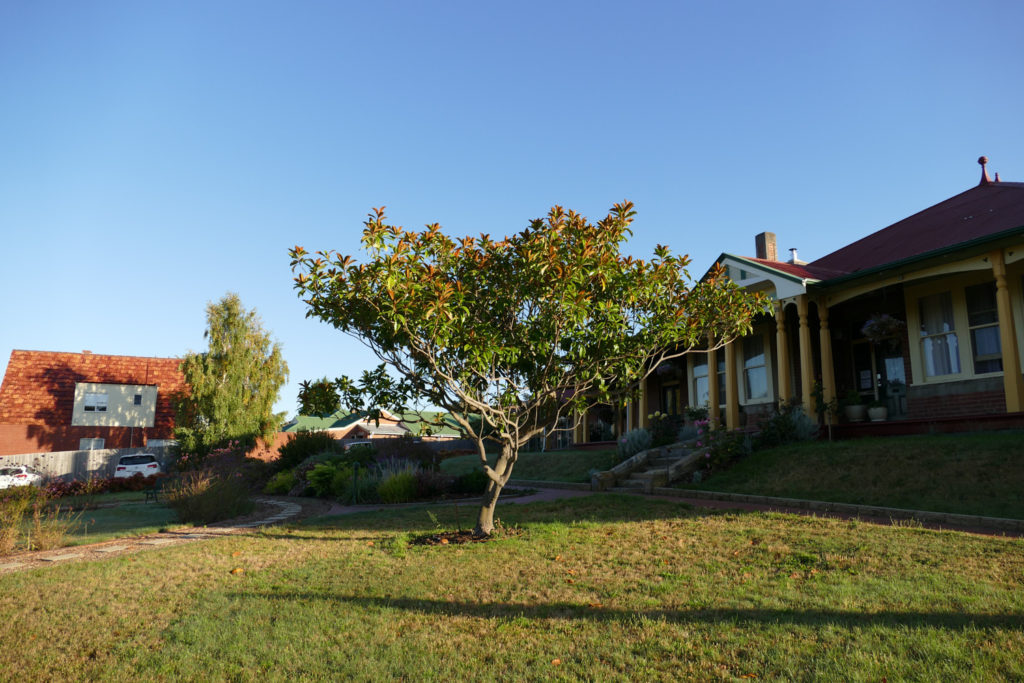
<point x="956" y="399"/>
<point x="38" y="392"/>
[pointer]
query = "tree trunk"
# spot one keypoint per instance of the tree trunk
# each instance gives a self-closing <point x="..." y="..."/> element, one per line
<point x="485" y="520"/>
<point x="502" y="468"/>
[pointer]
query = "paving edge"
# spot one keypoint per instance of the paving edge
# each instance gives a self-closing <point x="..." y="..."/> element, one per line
<point x="946" y="518"/>
<point x="536" y="483"/>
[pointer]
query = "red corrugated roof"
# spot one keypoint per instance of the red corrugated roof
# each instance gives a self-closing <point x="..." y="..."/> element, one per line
<point x="982" y="211"/>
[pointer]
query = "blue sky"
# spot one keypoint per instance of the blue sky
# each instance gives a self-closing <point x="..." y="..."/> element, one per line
<point x="154" y="156"/>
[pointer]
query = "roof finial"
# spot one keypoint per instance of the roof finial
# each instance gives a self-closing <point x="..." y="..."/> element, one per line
<point x="997" y="177"/>
<point x="984" y="173"/>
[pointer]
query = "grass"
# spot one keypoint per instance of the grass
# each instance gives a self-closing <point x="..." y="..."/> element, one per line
<point x="570" y="466"/>
<point x="127" y="519"/>
<point x="980" y="474"/>
<point x="601" y="587"/>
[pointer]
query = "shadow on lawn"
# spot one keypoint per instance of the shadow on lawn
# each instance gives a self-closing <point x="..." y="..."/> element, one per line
<point x="737" y="617"/>
<point x="605" y="507"/>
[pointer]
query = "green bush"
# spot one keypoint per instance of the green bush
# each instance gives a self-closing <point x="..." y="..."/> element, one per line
<point x="364" y="455"/>
<point x="664" y="428"/>
<point x="360" y="487"/>
<point x="322" y="476"/>
<point x="789" y="424"/>
<point x="474" y="482"/>
<point x="280" y="484"/>
<point x="304" y="444"/>
<point x="397" y="488"/>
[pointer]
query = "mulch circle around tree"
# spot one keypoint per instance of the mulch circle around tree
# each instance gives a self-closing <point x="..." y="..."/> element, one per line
<point x="463" y="536"/>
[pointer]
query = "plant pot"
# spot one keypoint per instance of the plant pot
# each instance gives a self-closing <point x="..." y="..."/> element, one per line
<point x="856" y="413"/>
<point x="878" y="414"/>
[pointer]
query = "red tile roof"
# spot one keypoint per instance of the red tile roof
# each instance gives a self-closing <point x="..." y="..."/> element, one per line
<point x="981" y="212"/>
<point x="39" y="386"/>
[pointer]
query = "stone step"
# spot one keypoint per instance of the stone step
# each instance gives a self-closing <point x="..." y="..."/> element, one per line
<point x="649" y="474"/>
<point x="631" y="484"/>
<point x="662" y="462"/>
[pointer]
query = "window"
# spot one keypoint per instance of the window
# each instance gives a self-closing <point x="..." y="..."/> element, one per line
<point x="755" y="368"/>
<point x="95" y="403"/>
<point x="938" y="336"/>
<point x="983" y="322"/>
<point x="138" y="400"/>
<point x="90" y="444"/>
<point x="700" y="378"/>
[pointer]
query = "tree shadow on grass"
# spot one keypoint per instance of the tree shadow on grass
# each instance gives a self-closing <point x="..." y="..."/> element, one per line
<point x="427" y="517"/>
<point x="954" y="621"/>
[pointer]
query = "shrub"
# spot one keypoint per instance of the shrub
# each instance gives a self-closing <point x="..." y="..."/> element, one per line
<point x="304" y="444"/>
<point x="360" y="488"/>
<point x="364" y="455"/>
<point x="474" y="482"/>
<point x="202" y="498"/>
<point x="787" y="425"/>
<point x="687" y="432"/>
<point x="280" y="484"/>
<point x="430" y="484"/>
<point x="633" y="442"/>
<point x="664" y="428"/>
<point x="408" y="448"/>
<point x="330" y="477"/>
<point x="397" y="488"/>
<point x="14" y="505"/>
<point x="47" y="528"/>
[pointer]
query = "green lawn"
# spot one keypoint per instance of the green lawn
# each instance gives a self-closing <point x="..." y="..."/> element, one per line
<point x="981" y="474"/>
<point x="127" y="519"/>
<point x="599" y="588"/>
<point x="570" y="466"/>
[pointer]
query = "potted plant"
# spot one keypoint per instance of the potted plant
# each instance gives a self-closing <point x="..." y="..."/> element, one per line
<point x="882" y="328"/>
<point x="853" y="407"/>
<point x="877" y="411"/>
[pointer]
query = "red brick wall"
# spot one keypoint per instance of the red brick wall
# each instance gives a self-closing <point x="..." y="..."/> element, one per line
<point x="962" y="405"/>
<point x="16" y="439"/>
<point x="38" y="392"/>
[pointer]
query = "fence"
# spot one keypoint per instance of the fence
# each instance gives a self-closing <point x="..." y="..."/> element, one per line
<point x="69" y="465"/>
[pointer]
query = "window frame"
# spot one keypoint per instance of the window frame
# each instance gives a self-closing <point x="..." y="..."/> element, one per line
<point x="92" y="403"/>
<point x="956" y="284"/>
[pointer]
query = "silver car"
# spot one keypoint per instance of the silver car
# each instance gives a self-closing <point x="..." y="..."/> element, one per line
<point x="20" y="475"/>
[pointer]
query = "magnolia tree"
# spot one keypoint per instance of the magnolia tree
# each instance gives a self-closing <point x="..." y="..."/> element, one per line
<point x="512" y="335"/>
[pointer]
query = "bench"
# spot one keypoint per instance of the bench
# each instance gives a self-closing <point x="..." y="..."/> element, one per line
<point x="153" y="494"/>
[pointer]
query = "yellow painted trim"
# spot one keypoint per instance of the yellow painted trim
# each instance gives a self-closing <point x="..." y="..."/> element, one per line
<point x="955" y="286"/>
<point x="1013" y="384"/>
<point x="806" y="360"/>
<point x="732" y="399"/>
<point x="979" y="263"/>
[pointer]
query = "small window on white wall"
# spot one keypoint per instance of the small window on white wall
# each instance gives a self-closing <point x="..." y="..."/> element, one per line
<point x="90" y="444"/>
<point x="95" y="403"/>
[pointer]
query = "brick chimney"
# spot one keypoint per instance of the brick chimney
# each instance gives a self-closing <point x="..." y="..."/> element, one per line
<point x="765" y="246"/>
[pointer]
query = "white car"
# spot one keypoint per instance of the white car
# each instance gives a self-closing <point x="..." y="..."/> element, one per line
<point x="145" y="464"/>
<point x="20" y="475"/>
